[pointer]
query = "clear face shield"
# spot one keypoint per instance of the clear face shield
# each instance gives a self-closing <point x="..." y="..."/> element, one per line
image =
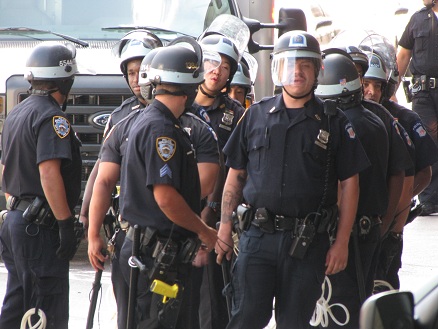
<point x="294" y="68"/>
<point x="211" y="60"/>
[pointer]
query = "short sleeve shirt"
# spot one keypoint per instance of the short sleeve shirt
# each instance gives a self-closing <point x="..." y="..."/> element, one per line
<point x="158" y="152"/>
<point x="286" y="161"/>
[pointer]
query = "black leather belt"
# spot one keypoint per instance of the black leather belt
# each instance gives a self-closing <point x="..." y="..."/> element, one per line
<point x="425" y="82"/>
<point x="14" y="203"/>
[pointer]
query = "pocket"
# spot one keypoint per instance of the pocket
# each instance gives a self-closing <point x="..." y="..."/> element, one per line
<point x="250" y="240"/>
<point x="421" y="40"/>
<point x="257" y="151"/>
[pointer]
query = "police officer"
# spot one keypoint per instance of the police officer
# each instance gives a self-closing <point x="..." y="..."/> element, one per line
<point x="339" y="81"/>
<point x="379" y="89"/>
<point x="286" y="157"/>
<point x="160" y="189"/>
<point x="131" y="50"/>
<point x="42" y="181"/>
<point x="111" y="157"/>
<point x="418" y="50"/>
<point x="241" y="85"/>
<point x="214" y="105"/>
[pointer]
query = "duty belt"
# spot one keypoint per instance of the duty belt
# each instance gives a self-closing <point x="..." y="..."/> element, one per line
<point x="39" y="214"/>
<point x="424" y="82"/>
<point x="15" y="203"/>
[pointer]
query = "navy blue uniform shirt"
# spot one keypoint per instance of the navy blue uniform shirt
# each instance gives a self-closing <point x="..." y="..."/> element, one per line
<point x="401" y="147"/>
<point x="420" y="36"/>
<point x="158" y="152"/>
<point x="426" y="152"/>
<point x="35" y="131"/>
<point x="373" y="196"/>
<point x="286" y="166"/>
<point x="128" y="106"/>
<point x="222" y="115"/>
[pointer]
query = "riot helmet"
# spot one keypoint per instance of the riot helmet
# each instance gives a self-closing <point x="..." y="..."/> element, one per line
<point x="180" y="66"/>
<point x="376" y="69"/>
<point x="242" y="77"/>
<point x="50" y="61"/>
<point x="135" y="45"/>
<point x="358" y="56"/>
<point x="339" y="79"/>
<point x="224" y="46"/>
<point x="145" y="84"/>
<point x="288" y="48"/>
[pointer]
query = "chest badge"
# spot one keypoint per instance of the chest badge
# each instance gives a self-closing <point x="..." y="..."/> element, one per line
<point x="228" y="117"/>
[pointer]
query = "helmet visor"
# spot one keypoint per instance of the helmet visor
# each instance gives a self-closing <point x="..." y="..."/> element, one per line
<point x="211" y="60"/>
<point x="294" y="67"/>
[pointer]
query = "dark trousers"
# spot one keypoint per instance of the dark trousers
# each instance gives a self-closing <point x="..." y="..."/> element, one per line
<point x="345" y="288"/>
<point x="213" y="312"/>
<point x="425" y="103"/>
<point x="146" y="312"/>
<point x="264" y="270"/>
<point x="36" y="276"/>
<point x="120" y="287"/>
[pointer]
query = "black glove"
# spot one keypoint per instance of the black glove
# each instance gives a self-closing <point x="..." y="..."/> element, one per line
<point x="67" y="238"/>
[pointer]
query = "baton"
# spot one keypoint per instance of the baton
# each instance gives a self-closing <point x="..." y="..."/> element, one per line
<point x="225" y="265"/>
<point x="95" y="293"/>
<point x="358" y="262"/>
<point x="133" y="278"/>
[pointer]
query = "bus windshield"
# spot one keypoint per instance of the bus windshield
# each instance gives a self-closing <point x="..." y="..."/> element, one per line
<point x="108" y="19"/>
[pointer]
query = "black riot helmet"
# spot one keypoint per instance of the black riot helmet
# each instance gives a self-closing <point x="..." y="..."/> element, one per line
<point x="339" y="79"/>
<point x="180" y="66"/>
<point x="288" y="48"/>
<point x="358" y="56"/>
<point x="51" y="61"/>
<point x="145" y="84"/>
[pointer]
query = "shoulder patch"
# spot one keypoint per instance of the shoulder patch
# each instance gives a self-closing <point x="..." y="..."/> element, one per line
<point x="61" y="126"/>
<point x="350" y="131"/>
<point x="420" y="130"/>
<point x="166" y="148"/>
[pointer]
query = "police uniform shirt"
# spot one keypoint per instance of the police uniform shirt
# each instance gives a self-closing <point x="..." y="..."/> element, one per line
<point x="129" y="105"/>
<point x="114" y="145"/>
<point x="373" y="196"/>
<point x="399" y="155"/>
<point x="35" y="131"/>
<point x="421" y="37"/>
<point x="158" y="152"/>
<point x="203" y="138"/>
<point x="426" y="151"/>
<point x="286" y="162"/>
<point x="222" y="115"/>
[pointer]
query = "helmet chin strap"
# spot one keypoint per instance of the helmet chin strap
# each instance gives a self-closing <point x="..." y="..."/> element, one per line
<point x="205" y="93"/>
<point x="299" y="97"/>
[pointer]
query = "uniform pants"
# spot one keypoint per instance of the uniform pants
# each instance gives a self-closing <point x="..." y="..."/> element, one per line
<point x="120" y="287"/>
<point x="425" y="103"/>
<point x="36" y="276"/>
<point x="146" y="312"/>
<point x="264" y="270"/>
<point x="345" y="288"/>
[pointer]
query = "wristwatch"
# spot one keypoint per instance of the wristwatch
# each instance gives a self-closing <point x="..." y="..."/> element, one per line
<point x="216" y="206"/>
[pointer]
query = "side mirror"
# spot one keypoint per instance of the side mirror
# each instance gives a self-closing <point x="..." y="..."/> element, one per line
<point x="290" y="19"/>
<point x="401" y="11"/>
<point x="388" y="310"/>
<point x="325" y="22"/>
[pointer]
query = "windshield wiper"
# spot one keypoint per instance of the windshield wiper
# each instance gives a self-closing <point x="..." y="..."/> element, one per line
<point x="136" y="27"/>
<point x="28" y="29"/>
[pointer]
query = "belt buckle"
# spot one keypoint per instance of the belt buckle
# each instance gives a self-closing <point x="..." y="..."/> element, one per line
<point x="432" y="83"/>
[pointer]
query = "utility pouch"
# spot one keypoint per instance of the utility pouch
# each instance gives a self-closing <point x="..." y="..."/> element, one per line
<point x="39" y="212"/>
<point x="109" y="223"/>
<point x="408" y="90"/>
<point x="146" y="239"/>
<point x="188" y="250"/>
<point x="329" y="217"/>
<point x="264" y="220"/>
<point x="164" y="255"/>
<point x="302" y="239"/>
<point x="245" y="215"/>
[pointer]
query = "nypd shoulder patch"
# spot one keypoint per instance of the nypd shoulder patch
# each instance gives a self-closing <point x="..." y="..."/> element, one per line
<point x="166" y="148"/>
<point x="61" y="126"/>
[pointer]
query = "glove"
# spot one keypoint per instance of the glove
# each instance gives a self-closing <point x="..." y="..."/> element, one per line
<point x="67" y="239"/>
